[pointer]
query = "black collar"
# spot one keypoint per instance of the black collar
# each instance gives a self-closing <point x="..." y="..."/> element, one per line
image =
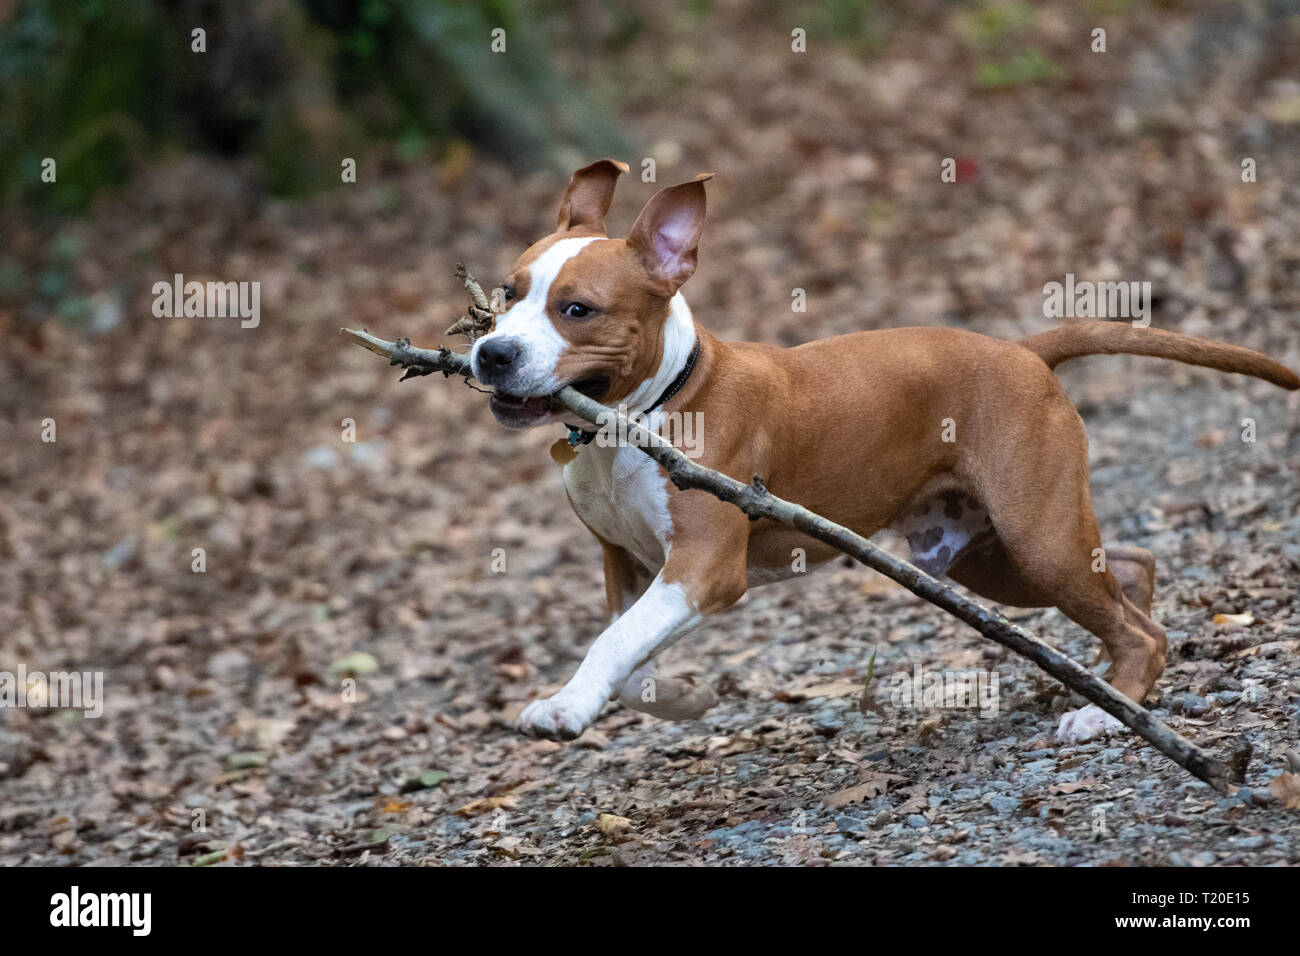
<point x="579" y="437"/>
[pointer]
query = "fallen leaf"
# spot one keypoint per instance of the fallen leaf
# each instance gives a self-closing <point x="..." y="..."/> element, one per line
<point x="488" y="804"/>
<point x="245" y="761"/>
<point x="913" y="804"/>
<point x="737" y="659"/>
<point x="1236" y="620"/>
<point x="836" y="688"/>
<point x="612" y="825"/>
<point x="426" y="780"/>
<point x="1286" y="788"/>
<point x="873" y="786"/>
<point x="350" y="665"/>
<point x="1073" y="786"/>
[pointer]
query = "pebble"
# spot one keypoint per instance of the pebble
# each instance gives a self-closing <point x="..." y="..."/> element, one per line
<point x="827" y="722"/>
<point x="1193" y="705"/>
<point x="917" y="822"/>
<point x="368" y="452"/>
<point x="119" y="554"/>
<point x="229" y="667"/>
<point x="1002" y="803"/>
<point x="1239" y="799"/>
<point x="323" y="457"/>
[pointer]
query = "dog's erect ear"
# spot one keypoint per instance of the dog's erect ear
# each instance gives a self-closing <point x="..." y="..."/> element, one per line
<point x="588" y="196"/>
<point x="667" y="232"/>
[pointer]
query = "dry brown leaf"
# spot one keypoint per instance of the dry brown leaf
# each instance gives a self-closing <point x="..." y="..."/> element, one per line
<point x="1286" y="788"/>
<point x="835" y="688"/>
<point x="1074" y="786"/>
<point x="1236" y="620"/>
<point x="873" y="786"/>
<point x="913" y="804"/>
<point x="488" y="804"/>
<point x="612" y="825"/>
<point x="736" y="660"/>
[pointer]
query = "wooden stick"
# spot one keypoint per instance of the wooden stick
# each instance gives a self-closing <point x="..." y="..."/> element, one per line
<point x="756" y="501"/>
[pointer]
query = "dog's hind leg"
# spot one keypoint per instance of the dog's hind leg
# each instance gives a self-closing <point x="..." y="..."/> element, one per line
<point x="1042" y="512"/>
<point x="668" y="698"/>
<point x="1135" y="570"/>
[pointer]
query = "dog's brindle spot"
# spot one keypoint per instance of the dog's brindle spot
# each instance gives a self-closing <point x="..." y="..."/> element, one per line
<point x="943" y="529"/>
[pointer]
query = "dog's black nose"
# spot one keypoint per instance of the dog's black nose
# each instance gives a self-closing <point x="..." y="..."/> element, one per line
<point x="497" y="355"/>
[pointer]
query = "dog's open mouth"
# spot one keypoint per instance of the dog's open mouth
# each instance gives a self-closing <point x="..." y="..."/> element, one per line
<point x="518" y="411"/>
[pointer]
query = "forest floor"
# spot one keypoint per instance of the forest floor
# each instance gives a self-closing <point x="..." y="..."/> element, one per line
<point x="227" y="736"/>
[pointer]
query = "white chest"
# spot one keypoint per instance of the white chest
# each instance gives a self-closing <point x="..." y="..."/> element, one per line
<point x="620" y="494"/>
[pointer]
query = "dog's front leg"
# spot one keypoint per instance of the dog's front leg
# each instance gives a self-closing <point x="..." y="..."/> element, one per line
<point x="655" y="620"/>
<point x="705" y="573"/>
<point x="668" y="698"/>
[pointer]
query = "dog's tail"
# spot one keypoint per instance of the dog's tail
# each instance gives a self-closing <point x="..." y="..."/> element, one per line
<point x="1111" y="338"/>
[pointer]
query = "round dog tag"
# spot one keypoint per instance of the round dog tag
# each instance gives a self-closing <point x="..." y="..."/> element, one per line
<point x="563" y="452"/>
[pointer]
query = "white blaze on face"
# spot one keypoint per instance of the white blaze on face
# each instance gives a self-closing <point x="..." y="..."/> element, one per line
<point x="530" y="325"/>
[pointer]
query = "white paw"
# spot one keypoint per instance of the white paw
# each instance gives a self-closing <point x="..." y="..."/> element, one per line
<point x="1086" y="723"/>
<point x="555" y="718"/>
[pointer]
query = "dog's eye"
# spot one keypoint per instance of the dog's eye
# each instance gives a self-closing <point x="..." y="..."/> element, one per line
<point x="575" y="310"/>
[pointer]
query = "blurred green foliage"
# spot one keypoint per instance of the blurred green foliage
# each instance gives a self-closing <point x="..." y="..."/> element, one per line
<point x="295" y="84"/>
<point x="857" y="23"/>
<point x="1031" y="66"/>
<point x="61" y="98"/>
<point x="1000" y="31"/>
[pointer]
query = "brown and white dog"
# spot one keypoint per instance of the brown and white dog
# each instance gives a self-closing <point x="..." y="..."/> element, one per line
<point x="850" y="427"/>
